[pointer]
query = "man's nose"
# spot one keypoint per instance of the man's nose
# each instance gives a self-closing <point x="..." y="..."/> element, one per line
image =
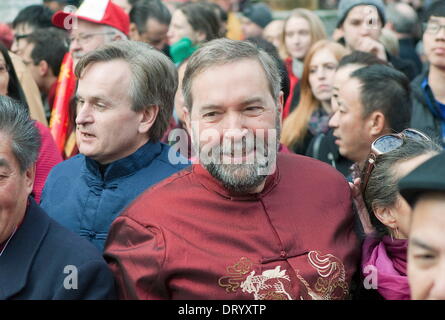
<point x="84" y="115"/>
<point x="14" y="47"/>
<point x="234" y="126"/>
<point x="74" y="45"/>
<point x="233" y="120"/>
<point x="333" y="122"/>
<point x="441" y="33"/>
<point x="365" y="29"/>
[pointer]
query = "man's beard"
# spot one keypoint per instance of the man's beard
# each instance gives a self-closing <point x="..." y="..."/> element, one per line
<point x="243" y="177"/>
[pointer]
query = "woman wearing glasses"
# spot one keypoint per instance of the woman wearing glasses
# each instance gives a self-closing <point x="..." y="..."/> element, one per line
<point x="385" y="249"/>
<point x="49" y="156"/>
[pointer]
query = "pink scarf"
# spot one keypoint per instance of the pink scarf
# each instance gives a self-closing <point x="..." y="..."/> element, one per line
<point x="389" y="258"/>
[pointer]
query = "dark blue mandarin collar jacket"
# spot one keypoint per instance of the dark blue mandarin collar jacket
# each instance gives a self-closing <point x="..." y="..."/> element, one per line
<point x="86" y="198"/>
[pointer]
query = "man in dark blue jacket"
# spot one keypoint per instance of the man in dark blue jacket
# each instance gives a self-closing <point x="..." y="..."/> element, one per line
<point x="428" y="91"/>
<point x="39" y="259"/>
<point x="124" y="102"/>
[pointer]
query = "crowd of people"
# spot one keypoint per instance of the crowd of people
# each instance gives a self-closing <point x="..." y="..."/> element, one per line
<point x="207" y="149"/>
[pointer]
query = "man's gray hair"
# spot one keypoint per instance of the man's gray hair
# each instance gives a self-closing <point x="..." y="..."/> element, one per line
<point x="382" y="189"/>
<point x="111" y="33"/>
<point x="16" y="124"/>
<point x="223" y="51"/>
<point x="154" y="78"/>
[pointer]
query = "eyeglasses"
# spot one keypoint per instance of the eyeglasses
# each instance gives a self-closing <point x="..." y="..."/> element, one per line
<point x="433" y="27"/>
<point x="84" y="38"/>
<point x="385" y="144"/>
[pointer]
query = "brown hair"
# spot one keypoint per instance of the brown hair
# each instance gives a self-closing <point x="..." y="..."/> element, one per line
<point x="147" y="66"/>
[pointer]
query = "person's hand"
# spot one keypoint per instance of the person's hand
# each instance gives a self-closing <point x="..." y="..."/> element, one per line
<point x="362" y="212"/>
<point x="375" y="47"/>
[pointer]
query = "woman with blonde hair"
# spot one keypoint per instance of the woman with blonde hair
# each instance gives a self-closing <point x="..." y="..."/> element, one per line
<point x="314" y="108"/>
<point x="301" y="30"/>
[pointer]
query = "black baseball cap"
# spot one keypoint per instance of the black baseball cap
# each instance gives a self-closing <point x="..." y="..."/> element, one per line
<point x="428" y="177"/>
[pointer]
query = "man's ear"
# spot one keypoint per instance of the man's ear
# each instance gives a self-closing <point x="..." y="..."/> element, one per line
<point x="200" y="36"/>
<point x="186" y="117"/>
<point x="377" y="123"/>
<point x="118" y="37"/>
<point x="134" y="33"/>
<point x="386" y="216"/>
<point x="43" y="68"/>
<point x="149" y="116"/>
<point x="338" y="33"/>
<point x="390" y="26"/>
<point x="280" y="106"/>
<point x="30" y="175"/>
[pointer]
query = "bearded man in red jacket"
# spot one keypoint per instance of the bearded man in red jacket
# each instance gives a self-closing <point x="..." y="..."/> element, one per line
<point x="245" y="222"/>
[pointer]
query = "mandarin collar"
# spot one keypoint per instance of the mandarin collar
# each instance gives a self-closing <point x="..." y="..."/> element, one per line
<point x="213" y="185"/>
<point x="128" y="165"/>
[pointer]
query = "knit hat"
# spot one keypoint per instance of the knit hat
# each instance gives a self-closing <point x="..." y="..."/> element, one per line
<point x="258" y="13"/>
<point x="429" y="176"/>
<point x="346" y="5"/>
<point x="96" y="11"/>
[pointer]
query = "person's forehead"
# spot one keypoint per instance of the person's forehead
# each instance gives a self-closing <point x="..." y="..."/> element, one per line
<point x="344" y="74"/>
<point x="86" y="27"/>
<point x="105" y="79"/>
<point x="362" y="12"/>
<point x="323" y="56"/>
<point x="241" y="69"/>
<point x="154" y="25"/>
<point x="23" y="28"/>
<point x="179" y="16"/>
<point x="297" y="22"/>
<point x="274" y="27"/>
<point x="438" y="19"/>
<point x="251" y="65"/>
<point x="350" y="90"/>
<point x="429" y="216"/>
<point x="97" y="69"/>
<point x="6" y="156"/>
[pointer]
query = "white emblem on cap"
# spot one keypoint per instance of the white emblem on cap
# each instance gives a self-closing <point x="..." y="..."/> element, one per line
<point x="93" y="9"/>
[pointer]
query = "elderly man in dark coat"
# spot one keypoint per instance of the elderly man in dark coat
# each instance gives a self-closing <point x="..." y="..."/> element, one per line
<point x="39" y="259"/>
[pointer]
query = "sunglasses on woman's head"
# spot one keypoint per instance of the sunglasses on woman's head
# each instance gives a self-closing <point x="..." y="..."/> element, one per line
<point x="385" y="144"/>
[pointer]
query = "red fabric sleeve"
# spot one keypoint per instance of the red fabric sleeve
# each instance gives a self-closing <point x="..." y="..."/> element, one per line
<point x="135" y="254"/>
<point x="48" y="157"/>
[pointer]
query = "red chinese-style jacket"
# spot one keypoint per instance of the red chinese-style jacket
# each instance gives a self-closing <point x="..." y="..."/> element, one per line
<point x="189" y="238"/>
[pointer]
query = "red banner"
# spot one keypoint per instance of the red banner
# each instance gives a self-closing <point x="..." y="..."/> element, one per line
<point x="66" y="84"/>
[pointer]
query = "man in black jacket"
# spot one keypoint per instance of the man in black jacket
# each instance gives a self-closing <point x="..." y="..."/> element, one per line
<point x="428" y="90"/>
<point x="39" y="259"/>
